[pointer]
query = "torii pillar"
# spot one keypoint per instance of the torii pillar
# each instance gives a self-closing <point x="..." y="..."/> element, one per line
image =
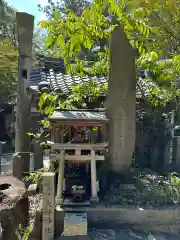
<point x="121" y="102"/>
<point x="25" y="27"/>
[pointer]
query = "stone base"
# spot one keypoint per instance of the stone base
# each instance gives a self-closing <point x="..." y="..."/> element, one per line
<point x="59" y="221"/>
<point x="75" y="224"/>
<point x="94" y="199"/>
<point x="59" y="201"/>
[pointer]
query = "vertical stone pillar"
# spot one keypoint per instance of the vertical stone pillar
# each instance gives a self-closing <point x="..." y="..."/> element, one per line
<point x="21" y="164"/>
<point x="25" y="26"/>
<point x="59" y="196"/>
<point x="121" y="102"/>
<point x="94" y="197"/>
<point x="59" y="221"/>
<point x="48" y="206"/>
<point x="57" y="137"/>
<point x="38" y="156"/>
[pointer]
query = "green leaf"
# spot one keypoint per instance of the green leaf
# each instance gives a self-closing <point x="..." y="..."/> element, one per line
<point x="57" y="15"/>
<point x="61" y="41"/>
<point x="43" y="24"/>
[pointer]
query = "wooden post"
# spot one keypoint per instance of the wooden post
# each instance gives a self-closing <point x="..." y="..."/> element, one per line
<point x="25" y="26"/>
<point x="94" y="197"/>
<point x="48" y="205"/>
<point x="57" y="135"/>
<point x="59" y="197"/>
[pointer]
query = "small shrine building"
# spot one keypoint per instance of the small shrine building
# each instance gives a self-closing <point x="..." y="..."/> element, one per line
<point x="79" y="137"/>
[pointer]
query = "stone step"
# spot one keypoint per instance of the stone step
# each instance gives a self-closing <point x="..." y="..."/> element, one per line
<point x="73" y="238"/>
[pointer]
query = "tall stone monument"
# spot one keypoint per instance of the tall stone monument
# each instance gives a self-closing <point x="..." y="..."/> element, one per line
<point x="21" y="160"/>
<point x="48" y="205"/>
<point x="121" y="100"/>
<point x="25" y="27"/>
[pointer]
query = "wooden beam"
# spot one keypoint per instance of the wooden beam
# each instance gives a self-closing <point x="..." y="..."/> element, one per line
<point x="84" y="158"/>
<point x="71" y="146"/>
<point x="78" y="123"/>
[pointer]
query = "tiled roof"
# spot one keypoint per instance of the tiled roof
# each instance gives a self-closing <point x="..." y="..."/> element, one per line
<point x="144" y="85"/>
<point x="52" y="70"/>
<point x="51" y="62"/>
<point x="83" y="115"/>
<point x="58" y="81"/>
<point x="35" y="79"/>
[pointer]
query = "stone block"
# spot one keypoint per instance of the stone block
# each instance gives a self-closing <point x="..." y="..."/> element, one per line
<point x="48" y="205"/>
<point x="37" y="228"/>
<point x="75" y="224"/>
<point x="59" y="221"/>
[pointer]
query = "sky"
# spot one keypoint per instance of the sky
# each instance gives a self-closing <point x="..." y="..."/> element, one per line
<point x="29" y="6"/>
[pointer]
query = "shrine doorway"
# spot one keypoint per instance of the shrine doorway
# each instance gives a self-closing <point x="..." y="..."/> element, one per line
<point x="77" y="173"/>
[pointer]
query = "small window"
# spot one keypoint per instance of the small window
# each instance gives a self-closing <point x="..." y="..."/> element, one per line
<point x="24" y="73"/>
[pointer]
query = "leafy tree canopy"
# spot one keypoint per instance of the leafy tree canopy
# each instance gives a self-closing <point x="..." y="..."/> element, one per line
<point x="151" y="27"/>
<point x="63" y="6"/>
<point x="7" y="21"/>
<point x="8" y="51"/>
<point x="8" y="70"/>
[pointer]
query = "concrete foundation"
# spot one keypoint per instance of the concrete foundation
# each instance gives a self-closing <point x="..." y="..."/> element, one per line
<point x="145" y="220"/>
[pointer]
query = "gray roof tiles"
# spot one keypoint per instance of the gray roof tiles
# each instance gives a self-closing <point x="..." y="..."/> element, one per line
<point x="58" y="81"/>
<point x="78" y="116"/>
<point x="64" y="82"/>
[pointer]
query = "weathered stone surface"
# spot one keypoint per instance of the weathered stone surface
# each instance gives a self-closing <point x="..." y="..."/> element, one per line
<point x="21" y="161"/>
<point x="48" y="205"/>
<point x="75" y="224"/>
<point x="38" y="155"/>
<point x="32" y="189"/>
<point x="121" y="90"/>
<point x="14" y="207"/>
<point x="37" y="228"/>
<point x="59" y="221"/>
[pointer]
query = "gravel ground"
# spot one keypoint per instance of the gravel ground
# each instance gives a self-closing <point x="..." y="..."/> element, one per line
<point x="110" y="234"/>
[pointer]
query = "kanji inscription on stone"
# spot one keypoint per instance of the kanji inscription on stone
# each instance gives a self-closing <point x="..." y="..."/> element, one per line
<point x="48" y="206"/>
